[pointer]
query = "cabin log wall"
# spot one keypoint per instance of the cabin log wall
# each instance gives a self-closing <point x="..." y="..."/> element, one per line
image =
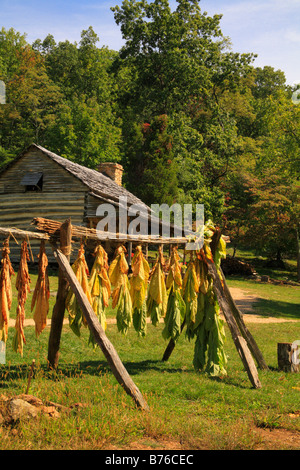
<point x="63" y="196"/>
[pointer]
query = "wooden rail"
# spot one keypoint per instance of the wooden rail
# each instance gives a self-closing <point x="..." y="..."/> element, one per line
<point x="52" y="227"/>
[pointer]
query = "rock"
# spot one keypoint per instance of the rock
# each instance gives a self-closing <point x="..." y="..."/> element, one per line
<point x="51" y="411"/>
<point x="30" y="399"/>
<point x="26" y="406"/>
<point x="21" y="409"/>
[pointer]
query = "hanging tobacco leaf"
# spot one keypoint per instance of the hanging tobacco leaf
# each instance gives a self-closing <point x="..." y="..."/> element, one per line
<point x="138" y="290"/>
<point x="23" y="288"/>
<point x="157" y="298"/>
<point x="100" y="287"/>
<point x="121" y="294"/>
<point x="80" y="268"/>
<point x="209" y="352"/>
<point x="41" y="294"/>
<point x="176" y="307"/>
<point x="6" y="273"/>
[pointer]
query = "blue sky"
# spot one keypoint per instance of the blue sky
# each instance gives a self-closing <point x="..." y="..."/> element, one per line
<point x="269" y="28"/>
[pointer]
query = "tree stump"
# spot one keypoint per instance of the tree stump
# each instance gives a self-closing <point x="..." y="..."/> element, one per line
<point x="288" y="357"/>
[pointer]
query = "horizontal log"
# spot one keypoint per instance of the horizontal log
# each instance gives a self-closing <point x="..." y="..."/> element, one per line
<point x="24" y="207"/>
<point x="53" y="227"/>
<point x="23" y="234"/>
<point x="82" y="232"/>
<point x="13" y="217"/>
<point x="57" y="195"/>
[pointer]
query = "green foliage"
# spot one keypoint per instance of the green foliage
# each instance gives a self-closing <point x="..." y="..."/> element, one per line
<point x="151" y="170"/>
<point x="262" y="202"/>
<point x="191" y="120"/>
<point x="59" y="96"/>
<point x="179" y="65"/>
<point x="175" y="314"/>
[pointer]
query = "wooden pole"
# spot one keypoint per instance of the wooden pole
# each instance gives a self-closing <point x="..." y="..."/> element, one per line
<point x="59" y="307"/>
<point x="243" y="328"/>
<point x="239" y="341"/>
<point x="245" y="333"/>
<point x="95" y="327"/>
<point x="23" y="234"/>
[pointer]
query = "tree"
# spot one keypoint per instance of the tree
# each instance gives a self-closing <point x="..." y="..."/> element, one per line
<point x="151" y="171"/>
<point x="271" y="225"/>
<point x="86" y="128"/>
<point x="83" y="133"/>
<point x="32" y="98"/>
<point x="263" y="194"/>
<point x="239" y="200"/>
<point x="176" y="64"/>
<point x="175" y="56"/>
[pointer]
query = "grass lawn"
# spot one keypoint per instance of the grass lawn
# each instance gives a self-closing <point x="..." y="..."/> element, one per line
<point x="188" y="409"/>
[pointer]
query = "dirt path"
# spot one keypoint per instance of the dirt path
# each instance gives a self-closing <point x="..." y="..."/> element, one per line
<point x="243" y="300"/>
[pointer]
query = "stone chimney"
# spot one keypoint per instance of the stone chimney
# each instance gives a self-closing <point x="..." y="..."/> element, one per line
<point x="113" y="170"/>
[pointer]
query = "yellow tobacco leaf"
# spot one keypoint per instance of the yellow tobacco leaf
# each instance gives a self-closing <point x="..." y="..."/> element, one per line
<point x="174" y="275"/>
<point x="23" y="288"/>
<point x="80" y="269"/>
<point x="139" y="279"/>
<point x="5" y="290"/>
<point x="40" y="298"/>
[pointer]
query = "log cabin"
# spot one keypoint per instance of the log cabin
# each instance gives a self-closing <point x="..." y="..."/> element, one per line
<point x="39" y="183"/>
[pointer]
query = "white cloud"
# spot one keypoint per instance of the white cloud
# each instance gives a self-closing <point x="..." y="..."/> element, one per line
<point x="271" y="7"/>
<point x="293" y="36"/>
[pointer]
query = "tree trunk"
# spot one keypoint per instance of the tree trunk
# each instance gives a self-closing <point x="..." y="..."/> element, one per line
<point x="278" y="256"/>
<point x="287" y="357"/>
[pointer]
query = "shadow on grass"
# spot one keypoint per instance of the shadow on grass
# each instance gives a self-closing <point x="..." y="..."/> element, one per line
<point x="132" y="367"/>
<point x="136" y="368"/>
<point x="277" y="308"/>
<point x="74" y="370"/>
<point x="99" y="368"/>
